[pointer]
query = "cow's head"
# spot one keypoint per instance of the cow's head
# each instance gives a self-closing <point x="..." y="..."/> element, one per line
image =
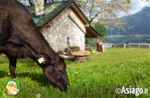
<point x="56" y="73"/>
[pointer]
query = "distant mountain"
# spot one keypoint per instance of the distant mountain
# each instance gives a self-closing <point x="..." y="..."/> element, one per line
<point x="138" y="25"/>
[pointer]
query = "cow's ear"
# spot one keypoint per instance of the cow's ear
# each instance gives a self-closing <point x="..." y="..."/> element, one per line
<point x="60" y="53"/>
<point x="62" y="56"/>
<point x="44" y="59"/>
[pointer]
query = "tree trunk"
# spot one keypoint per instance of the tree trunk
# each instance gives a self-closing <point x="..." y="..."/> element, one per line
<point x="81" y="58"/>
<point x="30" y="2"/>
<point x="45" y="1"/>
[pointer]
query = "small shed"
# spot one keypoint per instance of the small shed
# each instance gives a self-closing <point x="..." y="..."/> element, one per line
<point x="63" y="25"/>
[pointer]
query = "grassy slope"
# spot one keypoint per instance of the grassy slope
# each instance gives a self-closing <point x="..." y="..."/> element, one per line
<point x="128" y="39"/>
<point x="96" y="78"/>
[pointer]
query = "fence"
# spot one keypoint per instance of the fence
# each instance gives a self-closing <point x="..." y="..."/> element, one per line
<point x="140" y="45"/>
<point x="123" y="45"/>
<point x="108" y="45"/>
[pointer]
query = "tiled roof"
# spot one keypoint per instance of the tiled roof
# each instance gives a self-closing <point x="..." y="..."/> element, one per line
<point x="51" y="11"/>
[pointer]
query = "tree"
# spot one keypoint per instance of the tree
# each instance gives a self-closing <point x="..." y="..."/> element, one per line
<point x="31" y="2"/>
<point x="101" y="29"/>
<point x="97" y="9"/>
<point x="87" y="41"/>
<point x="105" y="9"/>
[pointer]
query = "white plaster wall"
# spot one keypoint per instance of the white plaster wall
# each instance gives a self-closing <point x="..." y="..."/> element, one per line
<point x="65" y="25"/>
<point x="57" y="37"/>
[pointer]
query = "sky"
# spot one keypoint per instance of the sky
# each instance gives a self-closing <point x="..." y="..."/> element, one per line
<point x="137" y="6"/>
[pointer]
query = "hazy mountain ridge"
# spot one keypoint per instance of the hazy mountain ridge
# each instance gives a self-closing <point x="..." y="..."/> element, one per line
<point x="141" y="21"/>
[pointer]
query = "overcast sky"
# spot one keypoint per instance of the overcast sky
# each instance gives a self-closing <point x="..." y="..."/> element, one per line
<point x="137" y="6"/>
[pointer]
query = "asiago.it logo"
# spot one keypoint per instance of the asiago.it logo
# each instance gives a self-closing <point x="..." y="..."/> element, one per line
<point x="136" y="91"/>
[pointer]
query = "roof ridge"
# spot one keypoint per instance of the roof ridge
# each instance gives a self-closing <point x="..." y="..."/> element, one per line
<point x="62" y="6"/>
<point x="47" y="12"/>
<point x="52" y="8"/>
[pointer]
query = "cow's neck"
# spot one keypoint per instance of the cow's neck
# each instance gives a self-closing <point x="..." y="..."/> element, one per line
<point x="33" y="40"/>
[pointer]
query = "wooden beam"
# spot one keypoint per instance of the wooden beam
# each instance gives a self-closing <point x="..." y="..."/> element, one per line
<point x="86" y="25"/>
<point x="88" y="34"/>
<point x="92" y="37"/>
<point x="93" y="31"/>
<point x="76" y="24"/>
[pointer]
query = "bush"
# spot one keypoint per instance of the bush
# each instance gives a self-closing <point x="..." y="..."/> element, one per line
<point x="74" y="48"/>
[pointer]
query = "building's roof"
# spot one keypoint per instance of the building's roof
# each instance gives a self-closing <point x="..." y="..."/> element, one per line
<point x="91" y="33"/>
<point x="52" y="10"/>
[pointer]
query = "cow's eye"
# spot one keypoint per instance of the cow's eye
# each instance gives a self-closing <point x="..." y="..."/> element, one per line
<point x="59" y="74"/>
<point x="59" y="70"/>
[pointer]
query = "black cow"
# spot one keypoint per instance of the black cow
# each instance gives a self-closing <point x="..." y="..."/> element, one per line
<point x="19" y="38"/>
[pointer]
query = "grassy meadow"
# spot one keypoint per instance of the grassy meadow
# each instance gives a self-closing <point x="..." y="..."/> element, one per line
<point x="96" y="78"/>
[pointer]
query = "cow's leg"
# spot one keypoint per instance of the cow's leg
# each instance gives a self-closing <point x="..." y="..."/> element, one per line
<point x="12" y="67"/>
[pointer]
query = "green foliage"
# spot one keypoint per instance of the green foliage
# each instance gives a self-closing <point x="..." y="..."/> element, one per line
<point x="128" y="39"/>
<point x="92" y="42"/>
<point x="101" y="29"/>
<point x="73" y="47"/>
<point x="148" y="41"/>
<point x="96" y="78"/>
<point x="87" y="41"/>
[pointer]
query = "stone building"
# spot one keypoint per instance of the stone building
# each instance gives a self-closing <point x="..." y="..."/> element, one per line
<point x="63" y="25"/>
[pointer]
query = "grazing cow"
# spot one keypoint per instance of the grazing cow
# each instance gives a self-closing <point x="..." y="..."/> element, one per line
<point x="19" y="38"/>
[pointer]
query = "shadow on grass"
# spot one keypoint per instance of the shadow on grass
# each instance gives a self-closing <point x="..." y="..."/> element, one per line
<point x="3" y="73"/>
<point x="68" y="61"/>
<point x="39" y="78"/>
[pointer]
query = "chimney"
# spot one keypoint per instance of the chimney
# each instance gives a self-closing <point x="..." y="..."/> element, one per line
<point x="39" y="7"/>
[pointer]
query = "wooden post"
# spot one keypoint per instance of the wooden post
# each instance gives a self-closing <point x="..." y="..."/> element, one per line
<point x="102" y="47"/>
<point x="124" y="46"/>
<point x="97" y="45"/>
<point x="139" y="45"/>
<point x="97" y="40"/>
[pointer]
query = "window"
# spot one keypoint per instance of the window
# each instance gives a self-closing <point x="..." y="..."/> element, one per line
<point x="68" y="42"/>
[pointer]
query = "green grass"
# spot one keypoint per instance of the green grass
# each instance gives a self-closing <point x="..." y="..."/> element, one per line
<point x="96" y="78"/>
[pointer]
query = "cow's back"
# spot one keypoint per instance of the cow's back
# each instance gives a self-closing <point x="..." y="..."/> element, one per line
<point x="11" y="11"/>
<point x="5" y="24"/>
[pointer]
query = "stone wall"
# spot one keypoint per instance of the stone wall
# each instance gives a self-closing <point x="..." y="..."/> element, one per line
<point x="122" y="46"/>
<point x="62" y="31"/>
